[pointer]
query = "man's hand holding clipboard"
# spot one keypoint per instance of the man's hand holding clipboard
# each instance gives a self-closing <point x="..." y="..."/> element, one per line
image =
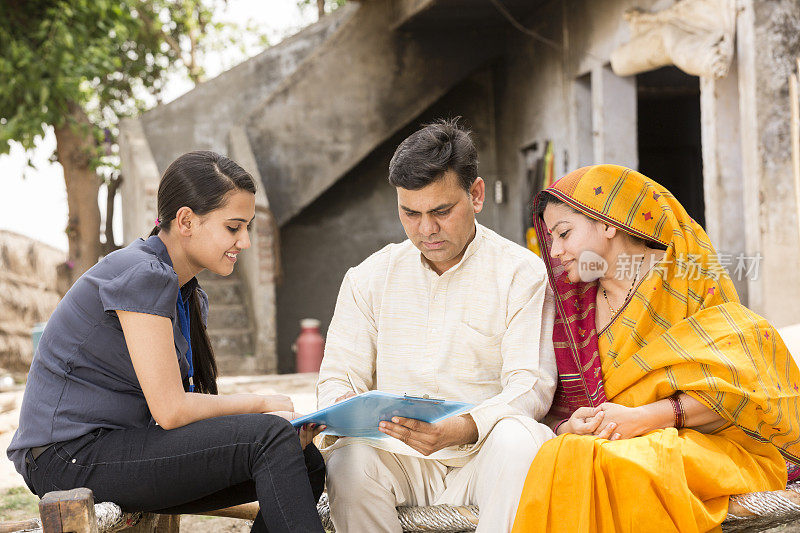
<point x="425" y="424"/>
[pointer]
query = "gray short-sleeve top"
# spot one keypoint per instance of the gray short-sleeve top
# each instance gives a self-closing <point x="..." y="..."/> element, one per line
<point x="82" y="377"/>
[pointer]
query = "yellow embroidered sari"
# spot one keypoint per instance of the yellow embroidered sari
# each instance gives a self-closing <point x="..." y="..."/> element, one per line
<point x="682" y="330"/>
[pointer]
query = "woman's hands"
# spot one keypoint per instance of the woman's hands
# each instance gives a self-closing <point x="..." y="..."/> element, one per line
<point x="611" y="421"/>
<point x="584" y="421"/>
<point x="307" y="432"/>
<point x="614" y="421"/>
<point x="282" y="406"/>
<point x="622" y="422"/>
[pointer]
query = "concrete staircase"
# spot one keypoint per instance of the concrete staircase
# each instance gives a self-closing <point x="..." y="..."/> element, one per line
<point x="359" y="87"/>
<point x="230" y="329"/>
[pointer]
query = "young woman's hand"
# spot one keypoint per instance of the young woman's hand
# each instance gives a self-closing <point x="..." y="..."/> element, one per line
<point x="308" y="432"/>
<point x="584" y="421"/>
<point x="276" y="402"/>
<point x="622" y="422"/>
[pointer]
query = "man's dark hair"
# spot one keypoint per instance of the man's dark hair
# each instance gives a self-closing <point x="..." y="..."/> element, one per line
<point x="428" y="153"/>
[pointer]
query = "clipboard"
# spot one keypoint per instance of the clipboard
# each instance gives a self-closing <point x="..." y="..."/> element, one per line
<point x="359" y="415"/>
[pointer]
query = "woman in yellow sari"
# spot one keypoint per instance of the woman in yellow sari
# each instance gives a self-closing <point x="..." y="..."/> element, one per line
<point x="672" y="396"/>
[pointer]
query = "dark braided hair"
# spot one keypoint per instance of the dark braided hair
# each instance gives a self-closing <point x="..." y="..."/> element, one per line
<point x="199" y="180"/>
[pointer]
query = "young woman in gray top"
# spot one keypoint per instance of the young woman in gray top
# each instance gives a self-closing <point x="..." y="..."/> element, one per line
<point x="122" y="396"/>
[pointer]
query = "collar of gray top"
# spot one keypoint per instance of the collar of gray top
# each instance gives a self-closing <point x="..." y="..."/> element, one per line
<point x="156" y="245"/>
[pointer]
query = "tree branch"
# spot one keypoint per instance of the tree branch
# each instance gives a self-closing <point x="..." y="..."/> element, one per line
<point x="112" y="185"/>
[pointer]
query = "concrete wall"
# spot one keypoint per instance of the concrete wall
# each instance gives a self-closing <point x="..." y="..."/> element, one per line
<point x="141" y="175"/>
<point x="358" y="216"/>
<point x="768" y="43"/>
<point x="354" y="218"/>
<point x="532" y="106"/>
<point x="28" y="294"/>
<point x="565" y="95"/>
<point x="201" y="119"/>
<point x="722" y="170"/>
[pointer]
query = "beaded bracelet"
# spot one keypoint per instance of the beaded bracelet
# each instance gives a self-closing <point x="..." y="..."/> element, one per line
<point x="677" y="409"/>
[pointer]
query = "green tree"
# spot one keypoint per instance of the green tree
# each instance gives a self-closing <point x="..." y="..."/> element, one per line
<point x="81" y="65"/>
<point x="323" y="6"/>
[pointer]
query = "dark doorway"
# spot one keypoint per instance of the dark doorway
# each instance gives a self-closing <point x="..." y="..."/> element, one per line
<point x="669" y="135"/>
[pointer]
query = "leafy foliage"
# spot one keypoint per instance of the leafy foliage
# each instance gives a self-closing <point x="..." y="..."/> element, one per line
<point x="95" y="53"/>
<point x="110" y="58"/>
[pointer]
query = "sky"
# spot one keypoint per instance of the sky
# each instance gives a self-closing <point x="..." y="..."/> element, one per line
<point x="34" y="200"/>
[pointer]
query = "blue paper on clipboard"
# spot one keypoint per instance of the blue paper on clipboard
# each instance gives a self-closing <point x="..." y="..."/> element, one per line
<point x="359" y="416"/>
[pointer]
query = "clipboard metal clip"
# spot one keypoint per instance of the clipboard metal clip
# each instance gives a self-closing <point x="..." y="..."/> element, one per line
<point x="424" y="398"/>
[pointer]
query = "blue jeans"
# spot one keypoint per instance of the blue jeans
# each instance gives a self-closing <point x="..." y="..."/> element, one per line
<point x="202" y="466"/>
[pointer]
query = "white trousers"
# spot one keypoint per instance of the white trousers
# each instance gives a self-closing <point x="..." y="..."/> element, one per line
<point x="365" y="484"/>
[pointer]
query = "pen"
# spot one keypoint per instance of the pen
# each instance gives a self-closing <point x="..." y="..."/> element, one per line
<point x="350" y="380"/>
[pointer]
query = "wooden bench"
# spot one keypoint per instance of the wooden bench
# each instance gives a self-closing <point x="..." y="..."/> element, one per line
<point x="74" y="511"/>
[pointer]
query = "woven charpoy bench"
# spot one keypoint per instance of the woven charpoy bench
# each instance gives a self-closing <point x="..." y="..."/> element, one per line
<point x="75" y="511"/>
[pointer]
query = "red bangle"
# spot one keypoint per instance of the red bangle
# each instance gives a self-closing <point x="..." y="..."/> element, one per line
<point x="677" y="410"/>
<point x="555" y="429"/>
<point x="682" y="420"/>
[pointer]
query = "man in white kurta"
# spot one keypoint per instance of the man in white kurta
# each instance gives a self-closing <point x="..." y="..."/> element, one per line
<point x="468" y="321"/>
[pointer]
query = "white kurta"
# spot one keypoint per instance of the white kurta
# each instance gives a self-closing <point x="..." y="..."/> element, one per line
<point x="480" y="333"/>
